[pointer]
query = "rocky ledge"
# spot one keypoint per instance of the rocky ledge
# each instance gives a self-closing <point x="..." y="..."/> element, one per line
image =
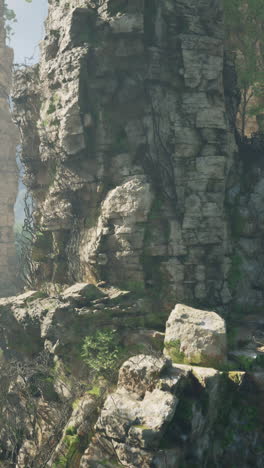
<point x="194" y="402"/>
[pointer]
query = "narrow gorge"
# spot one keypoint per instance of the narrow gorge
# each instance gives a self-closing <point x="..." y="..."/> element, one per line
<point x="9" y="139"/>
<point x="148" y="212"/>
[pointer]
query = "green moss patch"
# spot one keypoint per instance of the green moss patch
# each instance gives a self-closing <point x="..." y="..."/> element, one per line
<point x="74" y="447"/>
<point x="95" y="391"/>
<point x="173" y="348"/>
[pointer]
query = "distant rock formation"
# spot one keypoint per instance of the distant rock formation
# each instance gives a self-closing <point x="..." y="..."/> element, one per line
<point x="8" y="171"/>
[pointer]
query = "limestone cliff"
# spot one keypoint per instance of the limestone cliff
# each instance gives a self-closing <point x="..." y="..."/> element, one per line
<point x="143" y="199"/>
<point x="128" y="148"/>
<point x="8" y="174"/>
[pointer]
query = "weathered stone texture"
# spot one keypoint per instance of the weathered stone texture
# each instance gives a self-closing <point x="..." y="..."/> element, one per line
<point x="195" y="336"/>
<point x="135" y="147"/>
<point x="128" y="147"/>
<point x="180" y="419"/>
<point x="8" y="172"/>
<point x="160" y="414"/>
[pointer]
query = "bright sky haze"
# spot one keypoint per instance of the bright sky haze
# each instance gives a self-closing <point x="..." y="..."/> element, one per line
<point x="29" y="29"/>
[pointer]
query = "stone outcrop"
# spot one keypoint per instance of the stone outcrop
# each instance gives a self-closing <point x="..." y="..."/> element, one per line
<point x="8" y="174"/>
<point x="127" y="148"/>
<point x="158" y="413"/>
<point x="61" y="322"/>
<point x="180" y="421"/>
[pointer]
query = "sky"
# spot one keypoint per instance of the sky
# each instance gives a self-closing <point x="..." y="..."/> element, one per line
<point x="29" y="29"/>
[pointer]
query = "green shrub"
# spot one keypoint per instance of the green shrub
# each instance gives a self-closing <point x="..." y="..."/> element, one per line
<point x="71" y="431"/>
<point x="101" y="352"/>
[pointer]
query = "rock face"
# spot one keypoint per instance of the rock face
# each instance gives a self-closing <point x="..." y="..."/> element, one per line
<point x="157" y="414"/>
<point x="195" y="336"/>
<point x="61" y="322"/>
<point x="245" y="211"/>
<point x="127" y="129"/>
<point x="127" y="148"/>
<point x="179" y="420"/>
<point x="8" y="173"/>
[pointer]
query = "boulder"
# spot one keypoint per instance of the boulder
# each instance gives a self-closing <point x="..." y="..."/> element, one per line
<point x="195" y="336"/>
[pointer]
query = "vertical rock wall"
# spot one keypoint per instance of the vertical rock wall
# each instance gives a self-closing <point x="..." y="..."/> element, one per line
<point x="8" y="170"/>
<point x="130" y="157"/>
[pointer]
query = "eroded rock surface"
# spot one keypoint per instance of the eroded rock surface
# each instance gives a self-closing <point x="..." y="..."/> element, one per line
<point x="8" y="174"/>
<point x="180" y="420"/>
<point x="158" y="414"/>
<point x="132" y="148"/>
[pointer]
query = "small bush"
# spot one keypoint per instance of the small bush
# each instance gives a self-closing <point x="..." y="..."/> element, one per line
<point x="101" y="352"/>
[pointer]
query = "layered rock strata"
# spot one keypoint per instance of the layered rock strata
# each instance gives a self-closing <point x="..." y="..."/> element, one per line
<point x="8" y="173"/>
<point x="129" y="158"/>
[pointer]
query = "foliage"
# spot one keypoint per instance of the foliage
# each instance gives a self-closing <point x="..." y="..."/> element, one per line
<point x="9" y="19"/>
<point x="24" y="386"/>
<point x="71" y="430"/>
<point x="95" y="391"/>
<point x="74" y="450"/>
<point x="244" y="22"/>
<point x="174" y="350"/>
<point x="101" y="352"/>
<point x="24" y="238"/>
<point x="18" y="231"/>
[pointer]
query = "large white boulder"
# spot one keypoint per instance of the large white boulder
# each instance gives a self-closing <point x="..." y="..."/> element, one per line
<point x="195" y="336"/>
